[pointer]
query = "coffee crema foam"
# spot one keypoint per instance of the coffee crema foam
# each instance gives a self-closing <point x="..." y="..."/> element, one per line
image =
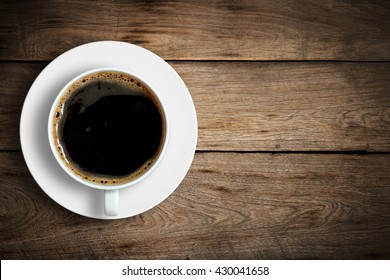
<point x="74" y="95"/>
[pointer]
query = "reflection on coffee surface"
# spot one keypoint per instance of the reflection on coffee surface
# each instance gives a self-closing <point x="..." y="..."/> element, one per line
<point x="109" y="128"/>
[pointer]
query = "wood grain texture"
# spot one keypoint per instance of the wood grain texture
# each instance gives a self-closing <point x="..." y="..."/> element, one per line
<point x="290" y="106"/>
<point x="317" y="196"/>
<point x="17" y="79"/>
<point x="201" y="30"/>
<point x="260" y="106"/>
<point x="229" y="206"/>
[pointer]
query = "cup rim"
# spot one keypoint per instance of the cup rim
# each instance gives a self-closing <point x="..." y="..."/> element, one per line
<point x="53" y="146"/>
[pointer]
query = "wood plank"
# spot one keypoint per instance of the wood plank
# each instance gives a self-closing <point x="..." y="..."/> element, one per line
<point x="290" y="106"/>
<point x="229" y="206"/>
<point x="201" y="30"/>
<point x="260" y="106"/>
<point x="17" y="79"/>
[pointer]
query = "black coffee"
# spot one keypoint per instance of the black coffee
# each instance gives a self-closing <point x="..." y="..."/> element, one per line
<point x="110" y="128"/>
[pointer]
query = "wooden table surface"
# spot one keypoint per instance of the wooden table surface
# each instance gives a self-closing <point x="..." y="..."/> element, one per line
<point x="293" y="104"/>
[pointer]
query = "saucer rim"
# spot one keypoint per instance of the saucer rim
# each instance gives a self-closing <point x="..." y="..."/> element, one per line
<point x="190" y="111"/>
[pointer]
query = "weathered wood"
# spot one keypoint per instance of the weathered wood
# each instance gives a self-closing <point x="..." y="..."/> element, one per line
<point x="291" y="106"/>
<point x="194" y="30"/>
<point x="229" y="206"/>
<point x="260" y="106"/>
<point x="17" y="79"/>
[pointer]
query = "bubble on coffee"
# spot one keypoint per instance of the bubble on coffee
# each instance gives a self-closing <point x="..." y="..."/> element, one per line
<point x="109" y="128"/>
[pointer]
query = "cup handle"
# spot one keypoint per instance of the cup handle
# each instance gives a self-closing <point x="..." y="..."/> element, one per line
<point x="111" y="202"/>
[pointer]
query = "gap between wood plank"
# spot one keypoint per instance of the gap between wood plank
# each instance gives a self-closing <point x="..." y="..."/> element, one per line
<point x="352" y="152"/>
<point x="223" y="60"/>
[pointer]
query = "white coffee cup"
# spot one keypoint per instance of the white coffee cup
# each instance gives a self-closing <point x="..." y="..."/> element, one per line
<point x="111" y="192"/>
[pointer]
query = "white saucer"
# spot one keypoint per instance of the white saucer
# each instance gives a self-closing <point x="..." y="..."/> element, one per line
<point x="181" y="145"/>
